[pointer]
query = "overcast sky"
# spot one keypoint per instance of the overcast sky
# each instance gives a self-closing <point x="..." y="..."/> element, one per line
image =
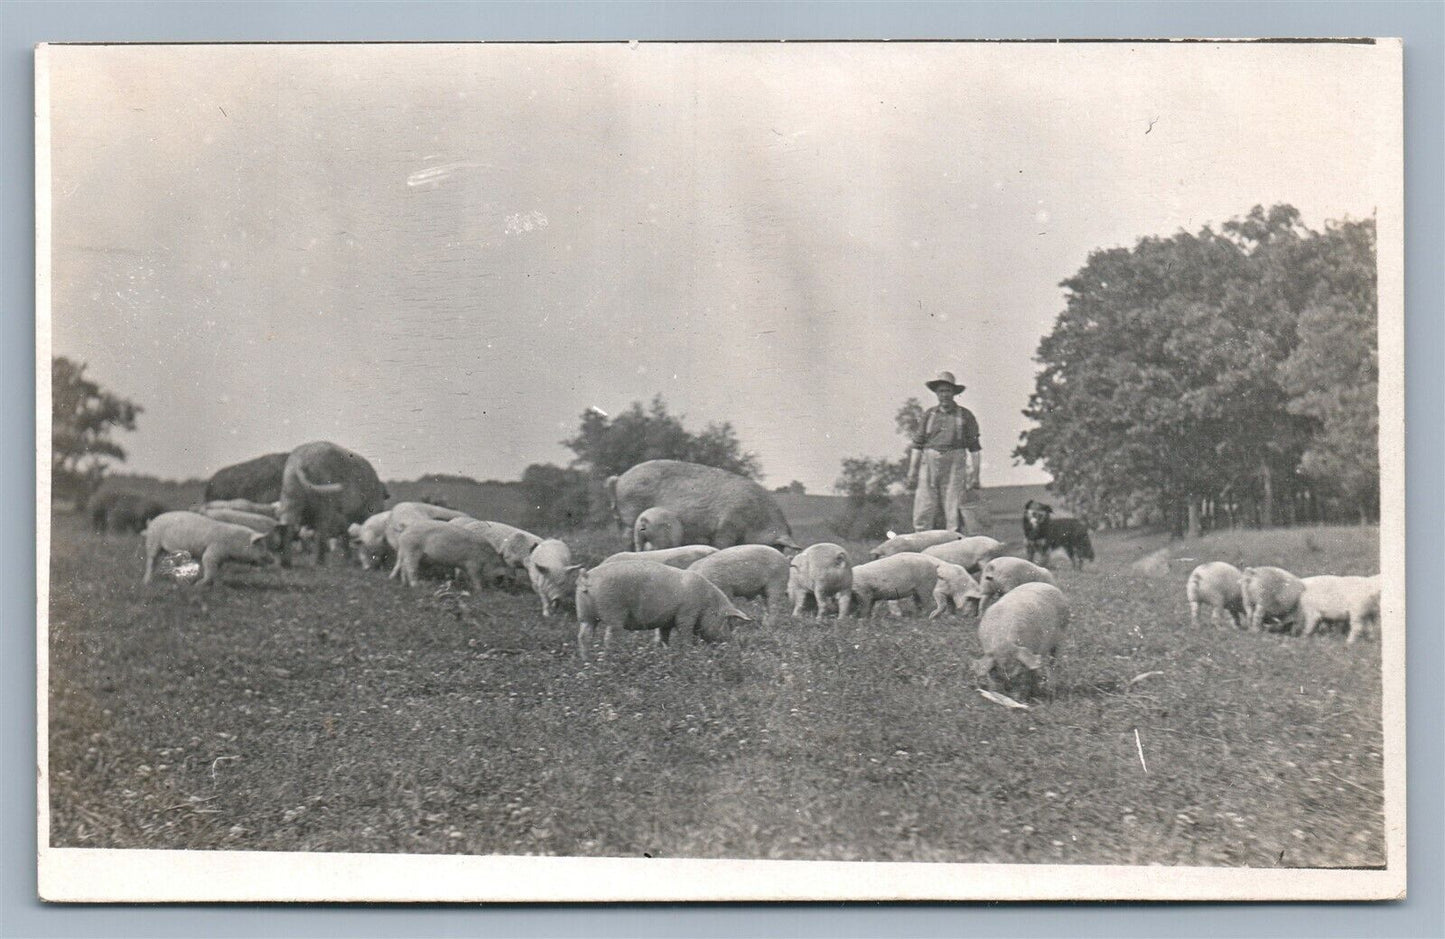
<point x="439" y="256"/>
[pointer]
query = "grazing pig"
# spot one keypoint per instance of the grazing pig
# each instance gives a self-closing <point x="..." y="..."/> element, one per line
<point x="1001" y="575"/>
<point x="1215" y="585"/>
<point x="327" y="487"/>
<point x="895" y="577"/>
<point x="1020" y="635"/>
<point x="970" y="553"/>
<point x="404" y="513"/>
<point x="116" y="511"/>
<point x="265" y="524"/>
<point x="372" y="547"/>
<point x="955" y="587"/>
<point x="444" y="546"/>
<point x="553" y="575"/>
<point x="1270" y="593"/>
<point x="821" y="571"/>
<point x="745" y="571"/>
<point x="656" y="528"/>
<point x="513" y="544"/>
<point x="680" y="558"/>
<point x="209" y="541"/>
<point x="715" y="507"/>
<point x="914" y="542"/>
<point x="257" y="480"/>
<point x="1355" y="600"/>
<point x="269" y="509"/>
<point x="647" y="595"/>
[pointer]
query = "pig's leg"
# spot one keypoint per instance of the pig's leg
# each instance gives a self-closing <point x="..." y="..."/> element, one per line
<point x="210" y="566"/>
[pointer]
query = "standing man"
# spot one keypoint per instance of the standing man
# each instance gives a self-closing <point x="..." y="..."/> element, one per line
<point x="946" y="449"/>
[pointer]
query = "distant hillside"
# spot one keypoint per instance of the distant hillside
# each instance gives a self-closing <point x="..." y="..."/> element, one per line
<point x="494" y="501"/>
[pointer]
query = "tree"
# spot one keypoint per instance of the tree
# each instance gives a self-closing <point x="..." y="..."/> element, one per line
<point x="869" y="483"/>
<point x="83" y="418"/>
<point x="1159" y="379"/>
<point x="1333" y="374"/>
<point x="558" y="499"/>
<point x="793" y="488"/>
<point x="610" y="446"/>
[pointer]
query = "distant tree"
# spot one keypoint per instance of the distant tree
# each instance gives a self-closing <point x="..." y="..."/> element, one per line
<point x="795" y="488"/>
<point x="609" y="446"/>
<point x="558" y="499"/>
<point x="84" y="417"/>
<point x="1333" y="373"/>
<point x="450" y="478"/>
<point x="1160" y="379"/>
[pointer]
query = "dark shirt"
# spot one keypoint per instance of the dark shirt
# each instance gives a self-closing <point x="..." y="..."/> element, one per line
<point x="948" y="429"/>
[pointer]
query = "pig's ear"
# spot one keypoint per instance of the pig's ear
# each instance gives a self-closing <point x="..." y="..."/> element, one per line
<point x="1030" y="659"/>
<point x="256" y="536"/>
<point x="574" y="568"/>
<point x="353" y="529"/>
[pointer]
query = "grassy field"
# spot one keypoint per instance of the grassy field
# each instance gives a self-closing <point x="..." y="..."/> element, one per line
<point x="332" y="710"/>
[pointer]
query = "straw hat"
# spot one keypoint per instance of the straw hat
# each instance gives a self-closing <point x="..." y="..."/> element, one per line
<point x="944" y="379"/>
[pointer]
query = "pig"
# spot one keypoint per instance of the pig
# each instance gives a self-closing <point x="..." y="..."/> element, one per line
<point x="679" y="558"/>
<point x="256" y="480"/>
<point x="970" y="553"/>
<point x="513" y="544"/>
<point x="821" y="571"/>
<point x="444" y="546"/>
<point x="1020" y="635"/>
<point x="895" y="577"/>
<point x="327" y="487"/>
<point x="404" y="513"/>
<point x="209" y="541"/>
<point x="552" y="573"/>
<point x="955" y="587"/>
<point x="270" y="509"/>
<point x="265" y="524"/>
<point x="1216" y="585"/>
<point x="715" y="506"/>
<point x="1001" y="575"/>
<point x="372" y="548"/>
<point x="913" y="542"/>
<point x="1271" y="593"/>
<point x="648" y="595"/>
<point x="1353" y="599"/>
<point x="746" y="571"/>
<point x="656" y="528"/>
<point x="116" y="511"/>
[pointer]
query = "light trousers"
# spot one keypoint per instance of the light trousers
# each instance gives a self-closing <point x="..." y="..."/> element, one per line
<point x="942" y="491"/>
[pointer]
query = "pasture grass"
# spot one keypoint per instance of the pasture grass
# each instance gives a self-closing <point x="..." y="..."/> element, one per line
<point x="331" y="709"/>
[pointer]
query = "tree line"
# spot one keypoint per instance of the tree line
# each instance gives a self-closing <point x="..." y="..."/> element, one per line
<point x="1216" y="378"/>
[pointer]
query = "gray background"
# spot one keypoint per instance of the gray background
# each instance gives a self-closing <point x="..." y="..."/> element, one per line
<point x="1421" y="24"/>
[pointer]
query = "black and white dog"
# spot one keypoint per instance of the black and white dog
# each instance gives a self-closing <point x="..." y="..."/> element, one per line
<point x="1045" y="533"/>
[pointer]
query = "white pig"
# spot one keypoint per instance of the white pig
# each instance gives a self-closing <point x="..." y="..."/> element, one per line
<point x="210" y="541"/>
<point x="821" y="571"/>
<point x="647" y="595"/>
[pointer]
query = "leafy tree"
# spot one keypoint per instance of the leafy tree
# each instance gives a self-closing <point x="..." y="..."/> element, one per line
<point x="869" y="483"/>
<point x="83" y="418"/>
<point x="794" y="488"/>
<point x="1162" y="378"/>
<point x="1333" y="373"/>
<point x="608" y="446"/>
<point x="558" y="499"/>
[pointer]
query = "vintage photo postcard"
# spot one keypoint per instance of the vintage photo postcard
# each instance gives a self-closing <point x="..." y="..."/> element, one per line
<point x="721" y="471"/>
